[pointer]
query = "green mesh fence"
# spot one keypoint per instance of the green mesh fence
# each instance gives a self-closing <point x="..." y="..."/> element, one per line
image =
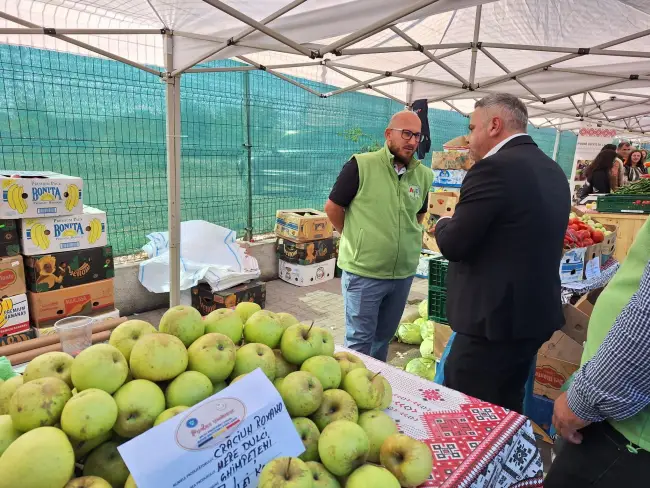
<point x="251" y="143"/>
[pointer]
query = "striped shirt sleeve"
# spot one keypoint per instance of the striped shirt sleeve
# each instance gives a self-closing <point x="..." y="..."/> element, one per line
<point x="615" y="383"/>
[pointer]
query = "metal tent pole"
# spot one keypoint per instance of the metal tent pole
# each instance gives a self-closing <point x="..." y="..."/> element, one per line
<point x="556" y="147"/>
<point x="477" y="27"/>
<point x="173" y="98"/>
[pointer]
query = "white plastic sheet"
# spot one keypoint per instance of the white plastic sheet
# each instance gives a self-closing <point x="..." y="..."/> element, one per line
<point x="209" y="253"/>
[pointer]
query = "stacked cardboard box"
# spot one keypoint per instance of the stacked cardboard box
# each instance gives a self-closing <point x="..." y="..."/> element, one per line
<point x="440" y="203"/>
<point x="560" y="357"/>
<point x="68" y="265"/>
<point x="305" y="246"/>
<point x="205" y="300"/>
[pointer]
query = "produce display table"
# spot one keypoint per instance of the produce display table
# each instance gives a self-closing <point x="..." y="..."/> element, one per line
<point x="474" y="443"/>
<point x="628" y="225"/>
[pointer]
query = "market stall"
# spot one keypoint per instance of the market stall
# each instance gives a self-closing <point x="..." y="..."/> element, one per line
<point x="627" y="226"/>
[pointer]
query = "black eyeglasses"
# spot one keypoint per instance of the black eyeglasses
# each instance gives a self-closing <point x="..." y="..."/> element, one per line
<point x="407" y="134"/>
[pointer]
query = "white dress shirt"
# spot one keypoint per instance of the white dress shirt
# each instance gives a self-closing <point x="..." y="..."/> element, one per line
<point x="496" y="148"/>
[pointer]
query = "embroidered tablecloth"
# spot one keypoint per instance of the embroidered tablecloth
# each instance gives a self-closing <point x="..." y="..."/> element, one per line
<point x="474" y="444"/>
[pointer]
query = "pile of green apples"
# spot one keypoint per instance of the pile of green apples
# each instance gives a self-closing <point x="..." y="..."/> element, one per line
<point x="66" y="412"/>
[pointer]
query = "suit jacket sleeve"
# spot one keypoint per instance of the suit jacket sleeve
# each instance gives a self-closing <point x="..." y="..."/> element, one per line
<point x="481" y="200"/>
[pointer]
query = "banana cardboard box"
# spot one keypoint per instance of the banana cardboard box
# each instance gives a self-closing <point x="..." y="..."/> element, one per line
<point x="30" y="194"/>
<point x="12" y="276"/>
<point x="9" y="238"/>
<point x="303" y="225"/>
<point x="16" y="338"/>
<point x="306" y="275"/>
<point x="90" y="300"/>
<point x="56" y="234"/>
<point x="14" y="315"/>
<point x="47" y="272"/>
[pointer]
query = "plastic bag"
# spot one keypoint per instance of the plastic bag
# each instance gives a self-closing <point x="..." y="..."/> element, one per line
<point x="209" y="253"/>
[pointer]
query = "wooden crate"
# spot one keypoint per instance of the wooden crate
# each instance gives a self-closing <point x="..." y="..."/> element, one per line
<point x="628" y="225"/>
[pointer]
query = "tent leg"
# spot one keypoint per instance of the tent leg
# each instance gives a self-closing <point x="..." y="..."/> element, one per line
<point x="173" y="96"/>
<point x="556" y="147"/>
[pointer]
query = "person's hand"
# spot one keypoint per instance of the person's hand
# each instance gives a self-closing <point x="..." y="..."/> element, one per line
<point x="566" y="422"/>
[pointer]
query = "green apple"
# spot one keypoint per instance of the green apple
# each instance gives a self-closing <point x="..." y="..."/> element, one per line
<point x="322" y="478"/>
<point x="286" y="319"/>
<point x="139" y="403"/>
<point x="278" y="383"/>
<point x="8" y="433"/>
<point x="38" y="403"/>
<point x="188" y="388"/>
<point x="7" y="390"/>
<point x="387" y="398"/>
<point x="88" y="482"/>
<point x="217" y="387"/>
<point x="328" y="343"/>
<point x="343" y="446"/>
<point x="56" y="364"/>
<point x="225" y="321"/>
<point x="309" y="435"/>
<point x="326" y="369"/>
<point x="365" y="387"/>
<point x="378" y="426"/>
<point x="263" y="328"/>
<point x="42" y="457"/>
<point x="105" y="462"/>
<point x="252" y="356"/>
<point x="169" y="413"/>
<point x="213" y="355"/>
<point x="100" y="366"/>
<point x="237" y="378"/>
<point x="285" y="472"/>
<point x="184" y="322"/>
<point x="82" y="448"/>
<point x="336" y="405"/>
<point x="127" y="333"/>
<point x="371" y="475"/>
<point x="301" y="342"/>
<point x="158" y="357"/>
<point x="408" y="459"/>
<point x="246" y="309"/>
<point x="302" y="393"/>
<point x="282" y="366"/>
<point x="89" y="414"/>
<point x="130" y="483"/>
<point x="348" y="362"/>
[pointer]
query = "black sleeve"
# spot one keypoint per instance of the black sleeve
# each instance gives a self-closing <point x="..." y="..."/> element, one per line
<point x="425" y="204"/>
<point x="347" y="184"/>
<point x="481" y="200"/>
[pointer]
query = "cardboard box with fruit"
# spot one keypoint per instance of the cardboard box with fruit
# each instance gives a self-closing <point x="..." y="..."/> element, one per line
<point x="303" y="225"/>
<point x="31" y="194"/>
<point x="90" y="299"/>
<point x="9" y="238"/>
<point x="14" y="315"/>
<point x="205" y="300"/>
<point x="72" y="232"/>
<point x="27" y="335"/>
<point x="48" y="272"/>
<point x="12" y="276"/>
<point x="144" y="377"/>
<point x="305" y="252"/>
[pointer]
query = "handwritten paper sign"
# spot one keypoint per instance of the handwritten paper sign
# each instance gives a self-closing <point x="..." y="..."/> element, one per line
<point x="593" y="268"/>
<point x="222" y="442"/>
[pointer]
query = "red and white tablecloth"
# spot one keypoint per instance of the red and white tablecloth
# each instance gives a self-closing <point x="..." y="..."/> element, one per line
<point x="474" y="443"/>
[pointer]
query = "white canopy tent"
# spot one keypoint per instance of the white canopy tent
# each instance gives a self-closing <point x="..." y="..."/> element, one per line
<point x="570" y="60"/>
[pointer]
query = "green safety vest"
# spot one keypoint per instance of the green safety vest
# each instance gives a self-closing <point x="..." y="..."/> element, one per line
<point x="382" y="237"/>
<point x="609" y="305"/>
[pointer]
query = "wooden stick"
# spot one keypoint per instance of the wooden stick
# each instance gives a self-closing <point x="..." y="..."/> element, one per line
<point x="107" y="324"/>
<point x="24" y="357"/>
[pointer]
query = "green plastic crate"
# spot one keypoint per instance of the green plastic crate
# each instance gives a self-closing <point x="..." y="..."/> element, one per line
<point x="438" y="272"/>
<point x="623" y="203"/>
<point x="438" y="304"/>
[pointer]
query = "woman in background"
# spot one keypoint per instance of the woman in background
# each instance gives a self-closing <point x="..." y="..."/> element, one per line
<point x="598" y="174"/>
<point x="633" y="166"/>
<point x="644" y="157"/>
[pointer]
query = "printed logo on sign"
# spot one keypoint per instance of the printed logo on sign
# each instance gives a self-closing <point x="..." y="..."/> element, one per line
<point x="414" y="191"/>
<point x="210" y="424"/>
<point x="7" y="278"/>
<point x="72" y="229"/>
<point x="549" y="376"/>
<point x="46" y="193"/>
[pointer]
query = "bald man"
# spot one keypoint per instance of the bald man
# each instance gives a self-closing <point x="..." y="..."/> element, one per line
<point x="377" y="204"/>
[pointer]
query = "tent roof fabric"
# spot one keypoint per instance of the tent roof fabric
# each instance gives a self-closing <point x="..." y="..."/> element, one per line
<point x="569" y="60"/>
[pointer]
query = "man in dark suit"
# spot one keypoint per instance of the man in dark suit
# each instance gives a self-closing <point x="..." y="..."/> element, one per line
<point x="504" y="243"/>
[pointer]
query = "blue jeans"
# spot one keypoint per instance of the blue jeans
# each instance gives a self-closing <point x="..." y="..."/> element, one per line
<point x="373" y="309"/>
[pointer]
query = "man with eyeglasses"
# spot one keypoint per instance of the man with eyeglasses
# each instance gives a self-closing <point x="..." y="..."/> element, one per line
<point x="377" y="204"/>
